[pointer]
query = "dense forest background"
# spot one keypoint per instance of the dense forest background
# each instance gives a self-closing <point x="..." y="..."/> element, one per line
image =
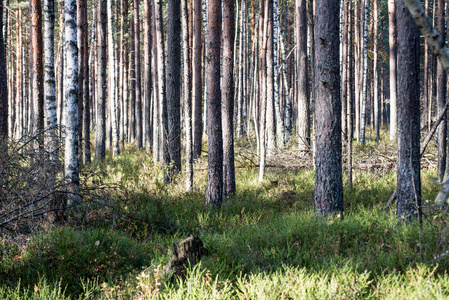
<point x="278" y="133"/>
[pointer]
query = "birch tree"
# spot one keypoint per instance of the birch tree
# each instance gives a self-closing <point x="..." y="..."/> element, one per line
<point x="364" y="98"/>
<point x="71" y="168"/>
<point x="49" y="75"/>
<point x="112" y="79"/>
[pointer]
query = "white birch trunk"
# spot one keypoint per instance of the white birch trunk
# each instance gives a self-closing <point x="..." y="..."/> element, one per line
<point x="365" y="74"/>
<point x="112" y="89"/>
<point x="49" y="75"/>
<point x="277" y="107"/>
<point x="71" y="168"/>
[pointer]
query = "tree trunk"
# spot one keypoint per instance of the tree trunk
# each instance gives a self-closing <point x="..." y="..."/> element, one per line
<point x="364" y="98"/>
<point x="112" y="80"/>
<point x="375" y="70"/>
<point x="161" y="85"/>
<point x="303" y="80"/>
<point x="441" y="96"/>
<point x="49" y="76"/>
<point x="262" y="89"/>
<point x="148" y="79"/>
<point x="227" y="94"/>
<point x="174" y="85"/>
<point x="132" y="83"/>
<point x="3" y="81"/>
<point x="37" y="70"/>
<point x="197" y="80"/>
<point x="71" y="168"/>
<point x="214" y="188"/>
<point x="409" y="182"/>
<point x="187" y="95"/>
<point x="393" y="94"/>
<point x="270" y="117"/>
<point x="123" y="71"/>
<point x="138" y="83"/>
<point x="327" y="125"/>
<point x="100" y="132"/>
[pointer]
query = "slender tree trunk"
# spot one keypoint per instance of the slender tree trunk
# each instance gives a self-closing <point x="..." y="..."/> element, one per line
<point x="161" y="85"/>
<point x="174" y="84"/>
<point x="187" y="95"/>
<point x="81" y="6"/>
<point x="327" y="126"/>
<point x="393" y="94"/>
<point x="350" y="88"/>
<point x="270" y="117"/>
<point x="375" y="70"/>
<point x="227" y="95"/>
<point x="197" y="79"/>
<point x="441" y="96"/>
<point x="100" y="132"/>
<point x="71" y="168"/>
<point x="19" y="86"/>
<point x="409" y="182"/>
<point x="124" y="73"/>
<point x="276" y="51"/>
<point x="303" y="80"/>
<point x="364" y="98"/>
<point x="214" y="188"/>
<point x="288" y="101"/>
<point x="132" y="84"/>
<point x="156" y="110"/>
<point x="262" y="89"/>
<point x="112" y="79"/>
<point x="344" y="66"/>
<point x="37" y="70"/>
<point x="3" y="81"/>
<point x="49" y="76"/>
<point x="86" y="100"/>
<point x="148" y="79"/>
<point x="426" y="74"/>
<point x="138" y="83"/>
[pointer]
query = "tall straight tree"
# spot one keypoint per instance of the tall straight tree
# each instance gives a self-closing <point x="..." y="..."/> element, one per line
<point x="197" y="80"/>
<point x="138" y="84"/>
<point x="227" y="95"/>
<point x="174" y="84"/>
<point x="327" y="123"/>
<point x="214" y="188"/>
<point x="270" y="117"/>
<point x="392" y="61"/>
<point x="71" y="168"/>
<point x="409" y="182"/>
<point x="81" y="6"/>
<point x="187" y="94"/>
<point x="3" y="82"/>
<point x="262" y="89"/>
<point x="364" y="97"/>
<point x="441" y="95"/>
<point x="112" y="80"/>
<point x="303" y="80"/>
<point x="100" y="132"/>
<point x="49" y="76"/>
<point x="375" y="69"/>
<point x="37" y="67"/>
<point x="148" y="79"/>
<point x="86" y="94"/>
<point x="161" y="84"/>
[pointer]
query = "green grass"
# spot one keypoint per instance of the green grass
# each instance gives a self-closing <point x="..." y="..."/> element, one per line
<point x="265" y="242"/>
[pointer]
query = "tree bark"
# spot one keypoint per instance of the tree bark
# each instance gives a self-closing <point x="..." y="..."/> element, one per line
<point x="227" y="95"/>
<point x="270" y="113"/>
<point x="441" y="95"/>
<point x="197" y="80"/>
<point x="375" y="71"/>
<point x="187" y="95"/>
<point x="112" y="79"/>
<point x="392" y="62"/>
<point x="409" y="182"/>
<point x="303" y="80"/>
<point x="37" y="70"/>
<point x="100" y="132"/>
<point x="173" y="85"/>
<point x="138" y="83"/>
<point x="148" y="78"/>
<point x="3" y="81"/>
<point x="71" y="168"/>
<point x="364" y="98"/>
<point x="327" y="124"/>
<point x="214" y="188"/>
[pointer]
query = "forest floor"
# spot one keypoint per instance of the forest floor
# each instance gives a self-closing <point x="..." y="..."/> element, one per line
<point x="265" y="242"/>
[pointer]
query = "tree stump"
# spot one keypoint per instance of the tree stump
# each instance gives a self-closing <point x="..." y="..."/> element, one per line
<point x="187" y="250"/>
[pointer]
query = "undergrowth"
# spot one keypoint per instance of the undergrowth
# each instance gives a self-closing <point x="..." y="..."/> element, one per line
<point x="265" y="242"/>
